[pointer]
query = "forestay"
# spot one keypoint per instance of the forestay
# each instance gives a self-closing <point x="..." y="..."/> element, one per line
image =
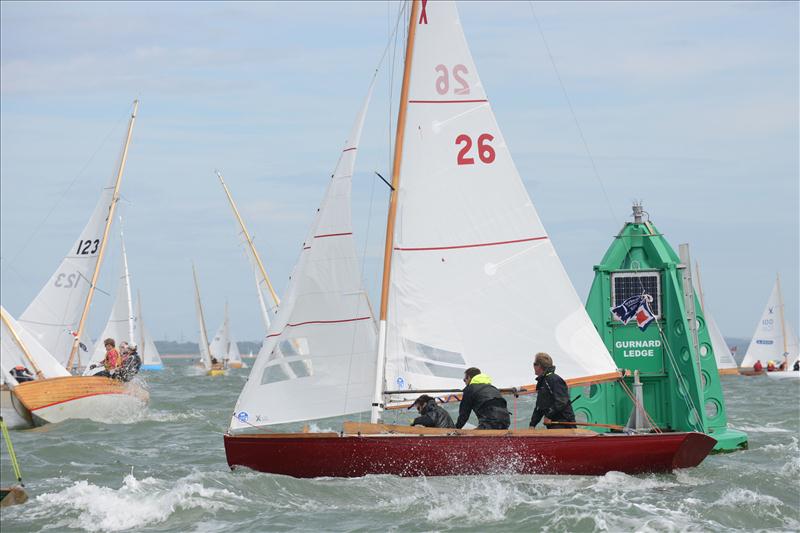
<point x="15" y="341"/>
<point x="319" y="357"/>
<point x="54" y="315"/>
<point x="768" y="340"/>
<point x="475" y="280"/>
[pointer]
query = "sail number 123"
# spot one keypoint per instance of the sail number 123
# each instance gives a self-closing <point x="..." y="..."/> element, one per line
<point x="87" y="247"/>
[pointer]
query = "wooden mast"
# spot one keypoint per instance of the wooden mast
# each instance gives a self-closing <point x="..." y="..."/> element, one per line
<point x="21" y="344"/>
<point x="249" y="241"/>
<point x="783" y="323"/>
<point x="104" y="240"/>
<point x="377" y="402"/>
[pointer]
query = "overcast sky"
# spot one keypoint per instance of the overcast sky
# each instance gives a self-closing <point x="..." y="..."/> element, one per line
<point x="690" y="107"/>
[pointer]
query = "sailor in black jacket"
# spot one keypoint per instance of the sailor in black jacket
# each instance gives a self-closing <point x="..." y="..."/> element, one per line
<point x="552" y="395"/>
<point x="484" y="398"/>
<point x="430" y="414"/>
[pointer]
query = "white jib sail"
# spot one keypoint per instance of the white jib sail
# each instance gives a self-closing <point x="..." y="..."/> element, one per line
<point x="122" y="324"/>
<point x="13" y="338"/>
<point x="219" y="344"/>
<point x="205" y="351"/>
<point x="475" y="280"/>
<point x="147" y="348"/>
<point x="768" y="340"/>
<point x="722" y="354"/>
<point x="54" y="314"/>
<point x="320" y="350"/>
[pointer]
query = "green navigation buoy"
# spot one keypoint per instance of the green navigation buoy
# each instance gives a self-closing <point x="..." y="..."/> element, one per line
<point x="664" y="347"/>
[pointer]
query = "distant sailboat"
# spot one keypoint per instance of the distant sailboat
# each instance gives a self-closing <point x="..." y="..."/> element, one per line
<point x="224" y="347"/>
<point x="56" y="319"/>
<point x="207" y="360"/>
<point x="726" y="364"/>
<point x="774" y="340"/>
<point x="151" y="359"/>
<point x="125" y="325"/>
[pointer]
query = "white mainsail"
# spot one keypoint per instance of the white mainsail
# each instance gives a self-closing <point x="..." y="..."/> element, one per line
<point x="205" y="350"/>
<point x="320" y="349"/>
<point x="53" y="316"/>
<point x="772" y="334"/>
<point x="20" y="347"/>
<point x="57" y="315"/>
<point x="475" y="280"/>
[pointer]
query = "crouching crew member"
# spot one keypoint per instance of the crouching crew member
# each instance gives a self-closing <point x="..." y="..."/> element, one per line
<point x="431" y="415"/>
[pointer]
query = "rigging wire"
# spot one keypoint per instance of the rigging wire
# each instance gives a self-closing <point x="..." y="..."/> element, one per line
<point x="596" y="173"/>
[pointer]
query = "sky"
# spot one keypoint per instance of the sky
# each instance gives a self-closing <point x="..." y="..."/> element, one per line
<point x="691" y="108"/>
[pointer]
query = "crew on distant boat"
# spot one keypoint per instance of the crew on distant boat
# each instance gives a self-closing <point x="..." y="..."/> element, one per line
<point x="21" y="374"/>
<point x="796" y="366"/>
<point x="112" y="360"/>
<point x="481" y="396"/>
<point x="431" y="414"/>
<point x="131" y="362"/>
<point x="216" y="365"/>
<point x="552" y="395"/>
<point x="782" y="367"/>
<point x="758" y="367"/>
<point x="771" y="366"/>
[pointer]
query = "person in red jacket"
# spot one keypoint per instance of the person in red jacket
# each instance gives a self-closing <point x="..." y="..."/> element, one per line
<point x="113" y="359"/>
<point x="758" y="367"/>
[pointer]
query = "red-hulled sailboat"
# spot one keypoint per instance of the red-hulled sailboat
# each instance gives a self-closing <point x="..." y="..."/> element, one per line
<point x="470" y="279"/>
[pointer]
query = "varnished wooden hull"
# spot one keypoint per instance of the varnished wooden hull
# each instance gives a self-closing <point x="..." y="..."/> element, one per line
<point x="728" y="371"/>
<point x="472" y="452"/>
<point x="57" y="399"/>
<point x="235" y="364"/>
<point x="12" y="496"/>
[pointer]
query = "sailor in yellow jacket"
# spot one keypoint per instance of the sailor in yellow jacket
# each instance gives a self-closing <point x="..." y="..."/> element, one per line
<point x="481" y="396"/>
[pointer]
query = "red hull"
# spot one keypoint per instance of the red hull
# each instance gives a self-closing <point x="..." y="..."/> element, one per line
<point x="331" y="455"/>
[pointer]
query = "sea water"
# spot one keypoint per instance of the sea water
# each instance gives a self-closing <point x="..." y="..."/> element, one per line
<point x="164" y="470"/>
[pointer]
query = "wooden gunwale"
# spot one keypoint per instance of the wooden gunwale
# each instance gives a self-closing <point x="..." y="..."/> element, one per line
<point x="45" y="393"/>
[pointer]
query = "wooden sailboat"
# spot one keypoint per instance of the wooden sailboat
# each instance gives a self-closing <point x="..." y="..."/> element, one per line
<point x="56" y="319"/>
<point x="726" y="364"/>
<point x="470" y="279"/>
<point x="207" y="360"/>
<point x="774" y="340"/>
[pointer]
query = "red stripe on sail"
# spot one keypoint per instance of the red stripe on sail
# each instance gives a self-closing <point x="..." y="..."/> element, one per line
<point x="469" y="245"/>
<point x="350" y="149"/>
<point x="332" y="235"/>
<point x="446" y="101"/>
<point x="290" y="325"/>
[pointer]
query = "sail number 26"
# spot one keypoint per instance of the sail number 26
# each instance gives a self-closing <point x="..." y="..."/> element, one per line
<point x="485" y="151"/>
<point x="87" y="247"/>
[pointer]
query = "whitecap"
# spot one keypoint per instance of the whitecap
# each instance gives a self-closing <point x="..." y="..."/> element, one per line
<point x="137" y="503"/>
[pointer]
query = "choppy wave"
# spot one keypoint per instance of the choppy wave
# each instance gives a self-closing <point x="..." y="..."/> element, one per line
<point x="135" y="504"/>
